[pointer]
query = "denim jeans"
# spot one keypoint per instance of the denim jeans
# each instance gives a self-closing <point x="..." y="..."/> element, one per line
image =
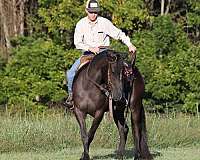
<point x="71" y="73"/>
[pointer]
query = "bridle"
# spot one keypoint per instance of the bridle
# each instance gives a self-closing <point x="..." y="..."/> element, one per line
<point x="108" y="89"/>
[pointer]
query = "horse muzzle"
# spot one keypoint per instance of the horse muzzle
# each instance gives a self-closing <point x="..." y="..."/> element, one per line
<point x="117" y="96"/>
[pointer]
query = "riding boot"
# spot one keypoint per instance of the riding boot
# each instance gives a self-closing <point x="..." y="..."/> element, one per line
<point x="69" y="100"/>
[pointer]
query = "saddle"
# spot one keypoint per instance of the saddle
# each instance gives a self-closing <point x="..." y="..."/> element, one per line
<point x="88" y="56"/>
<point x="85" y="59"/>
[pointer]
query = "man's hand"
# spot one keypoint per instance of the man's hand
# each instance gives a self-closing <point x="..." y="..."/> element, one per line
<point x="132" y="49"/>
<point x="94" y="49"/>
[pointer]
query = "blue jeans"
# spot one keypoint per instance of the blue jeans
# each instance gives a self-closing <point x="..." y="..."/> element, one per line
<point x="71" y="73"/>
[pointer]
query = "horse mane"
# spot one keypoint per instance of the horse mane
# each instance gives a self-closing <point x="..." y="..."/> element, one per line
<point x="99" y="56"/>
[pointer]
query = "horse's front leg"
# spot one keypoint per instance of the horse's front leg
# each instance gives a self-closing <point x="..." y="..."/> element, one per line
<point x="80" y="116"/>
<point x="118" y="115"/>
<point x="95" y="124"/>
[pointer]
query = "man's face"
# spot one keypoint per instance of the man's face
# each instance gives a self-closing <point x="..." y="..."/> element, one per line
<point x="92" y="15"/>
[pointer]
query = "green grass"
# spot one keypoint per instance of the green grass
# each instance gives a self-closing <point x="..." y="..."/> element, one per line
<point x="56" y="136"/>
<point x="173" y="131"/>
<point x="104" y="154"/>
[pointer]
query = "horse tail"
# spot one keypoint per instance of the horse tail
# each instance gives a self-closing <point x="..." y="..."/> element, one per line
<point x="144" y="149"/>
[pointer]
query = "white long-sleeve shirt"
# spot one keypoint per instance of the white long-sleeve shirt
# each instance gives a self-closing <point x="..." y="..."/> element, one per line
<point x="89" y="34"/>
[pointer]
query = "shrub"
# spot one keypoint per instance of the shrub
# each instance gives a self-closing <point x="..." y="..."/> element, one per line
<point x="35" y="74"/>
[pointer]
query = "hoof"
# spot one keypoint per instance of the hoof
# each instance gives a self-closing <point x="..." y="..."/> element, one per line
<point x="120" y="155"/>
<point x="139" y="158"/>
<point x="85" y="157"/>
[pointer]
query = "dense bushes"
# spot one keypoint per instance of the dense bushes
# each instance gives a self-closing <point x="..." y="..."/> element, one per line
<point x="169" y="63"/>
<point x="35" y="74"/>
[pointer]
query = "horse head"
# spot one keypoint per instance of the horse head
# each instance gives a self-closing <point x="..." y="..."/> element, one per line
<point x="105" y="71"/>
<point x="115" y="75"/>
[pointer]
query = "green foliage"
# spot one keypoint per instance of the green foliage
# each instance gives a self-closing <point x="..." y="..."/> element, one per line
<point x="193" y="19"/>
<point x="192" y="78"/>
<point x="2" y="93"/>
<point x="36" y="73"/>
<point x="128" y="15"/>
<point x="2" y="63"/>
<point x="164" y="31"/>
<point x="172" y="78"/>
<point x="60" y="17"/>
<point x="193" y="15"/>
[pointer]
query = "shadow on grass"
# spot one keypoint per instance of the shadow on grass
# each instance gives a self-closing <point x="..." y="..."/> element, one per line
<point x="128" y="155"/>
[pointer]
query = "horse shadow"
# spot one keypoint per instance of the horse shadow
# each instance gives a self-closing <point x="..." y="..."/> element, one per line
<point x="127" y="155"/>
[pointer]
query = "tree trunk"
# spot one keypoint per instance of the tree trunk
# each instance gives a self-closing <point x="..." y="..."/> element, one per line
<point x="167" y="8"/>
<point x="21" y="18"/>
<point x="14" y="17"/>
<point x="162" y="7"/>
<point x="5" y="28"/>
<point x="197" y="31"/>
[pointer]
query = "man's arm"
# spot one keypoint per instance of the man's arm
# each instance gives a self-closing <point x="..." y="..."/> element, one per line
<point x="116" y="33"/>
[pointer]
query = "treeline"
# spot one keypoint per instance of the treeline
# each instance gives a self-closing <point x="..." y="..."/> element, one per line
<point x="36" y="39"/>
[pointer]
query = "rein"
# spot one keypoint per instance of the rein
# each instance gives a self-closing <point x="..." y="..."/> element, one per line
<point x="110" y="94"/>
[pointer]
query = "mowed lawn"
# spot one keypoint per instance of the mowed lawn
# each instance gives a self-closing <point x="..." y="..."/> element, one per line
<point x="104" y="154"/>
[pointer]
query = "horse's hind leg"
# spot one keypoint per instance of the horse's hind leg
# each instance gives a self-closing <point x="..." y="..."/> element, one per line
<point x="80" y="116"/>
<point x="139" y="131"/>
<point x="119" y="119"/>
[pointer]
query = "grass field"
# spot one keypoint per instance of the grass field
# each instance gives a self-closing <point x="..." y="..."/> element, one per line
<point x="104" y="154"/>
<point x="56" y="136"/>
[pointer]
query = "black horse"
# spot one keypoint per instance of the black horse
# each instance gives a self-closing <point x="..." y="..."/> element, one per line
<point x="93" y="84"/>
<point x="91" y="87"/>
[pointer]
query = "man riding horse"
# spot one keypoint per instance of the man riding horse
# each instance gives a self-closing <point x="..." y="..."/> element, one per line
<point x="92" y="36"/>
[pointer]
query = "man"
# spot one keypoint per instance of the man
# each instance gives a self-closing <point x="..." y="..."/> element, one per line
<point x="91" y="34"/>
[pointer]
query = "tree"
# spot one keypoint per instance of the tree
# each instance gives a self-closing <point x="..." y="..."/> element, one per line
<point x="193" y="20"/>
<point x="15" y="13"/>
<point x="5" y="28"/>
